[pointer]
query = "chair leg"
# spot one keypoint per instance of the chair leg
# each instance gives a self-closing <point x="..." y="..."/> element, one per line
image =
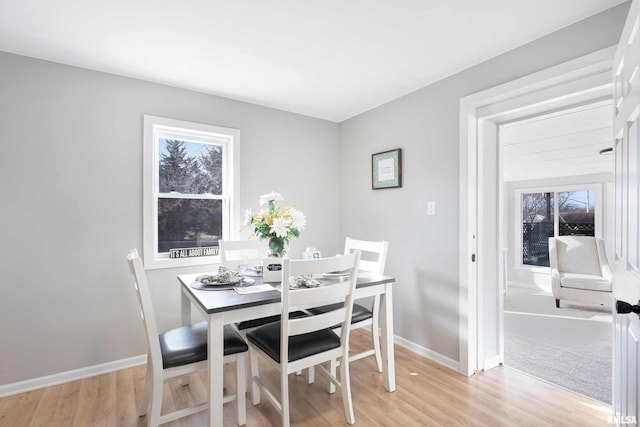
<point x="148" y="385"/>
<point x="241" y="387"/>
<point x="255" y="390"/>
<point x="345" y="381"/>
<point x="311" y="375"/>
<point x="557" y="303"/>
<point x="185" y="379"/>
<point x="375" y="334"/>
<point x="333" y="365"/>
<point x="248" y="376"/>
<point x="156" y="402"/>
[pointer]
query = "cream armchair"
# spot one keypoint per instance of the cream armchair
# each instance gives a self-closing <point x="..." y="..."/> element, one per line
<point x="579" y="270"/>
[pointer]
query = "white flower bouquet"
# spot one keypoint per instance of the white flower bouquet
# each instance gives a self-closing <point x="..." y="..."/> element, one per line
<point x="276" y="224"/>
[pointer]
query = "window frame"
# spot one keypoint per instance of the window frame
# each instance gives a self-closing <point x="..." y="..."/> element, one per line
<point x="598" y="217"/>
<point x="153" y="127"/>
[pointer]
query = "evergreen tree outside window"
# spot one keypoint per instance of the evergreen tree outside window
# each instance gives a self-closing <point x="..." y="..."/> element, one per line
<point x="189" y="189"/>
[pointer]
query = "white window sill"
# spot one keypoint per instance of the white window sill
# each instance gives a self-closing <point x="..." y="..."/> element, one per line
<point x="152" y="263"/>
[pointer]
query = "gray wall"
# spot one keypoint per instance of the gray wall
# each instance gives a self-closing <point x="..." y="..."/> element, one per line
<point x="423" y="250"/>
<point x="71" y="185"/>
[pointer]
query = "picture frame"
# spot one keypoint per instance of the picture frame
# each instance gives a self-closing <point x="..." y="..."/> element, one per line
<point x="386" y="169"/>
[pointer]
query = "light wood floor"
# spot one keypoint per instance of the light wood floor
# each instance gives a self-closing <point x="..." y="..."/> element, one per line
<point x="427" y="394"/>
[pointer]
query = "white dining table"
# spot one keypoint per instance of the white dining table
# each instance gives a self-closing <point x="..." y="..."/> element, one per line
<point x="222" y="307"/>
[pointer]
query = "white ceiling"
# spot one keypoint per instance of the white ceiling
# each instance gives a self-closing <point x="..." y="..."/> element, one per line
<point x="331" y="59"/>
<point x="560" y="144"/>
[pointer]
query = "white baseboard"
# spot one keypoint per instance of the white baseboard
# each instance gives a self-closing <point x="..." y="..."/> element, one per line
<point x="492" y="362"/>
<point x="90" y="371"/>
<point x="429" y="354"/>
<point x="423" y="351"/>
<point x="68" y="376"/>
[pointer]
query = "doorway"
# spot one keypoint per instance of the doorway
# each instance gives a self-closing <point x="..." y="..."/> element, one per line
<point x="483" y="266"/>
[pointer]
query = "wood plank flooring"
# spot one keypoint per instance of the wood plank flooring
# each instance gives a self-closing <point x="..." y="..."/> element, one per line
<point x="427" y="394"/>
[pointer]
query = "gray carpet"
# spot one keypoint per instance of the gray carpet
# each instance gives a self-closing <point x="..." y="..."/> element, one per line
<point x="570" y="346"/>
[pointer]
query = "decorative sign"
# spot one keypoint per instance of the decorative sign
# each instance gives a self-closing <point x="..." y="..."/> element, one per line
<point x="274" y="267"/>
<point x="193" y="252"/>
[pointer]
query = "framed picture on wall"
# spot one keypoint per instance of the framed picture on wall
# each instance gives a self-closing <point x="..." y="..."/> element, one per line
<point x="386" y="169"/>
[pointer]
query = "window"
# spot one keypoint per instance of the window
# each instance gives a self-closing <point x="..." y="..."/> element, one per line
<point x="190" y="191"/>
<point x="565" y="211"/>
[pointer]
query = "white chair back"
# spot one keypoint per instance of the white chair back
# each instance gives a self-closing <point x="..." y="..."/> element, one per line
<point x="303" y="298"/>
<point x="576" y="254"/>
<point x="374" y="254"/>
<point x="146" y="306"/>
<point x="231" y="251"/>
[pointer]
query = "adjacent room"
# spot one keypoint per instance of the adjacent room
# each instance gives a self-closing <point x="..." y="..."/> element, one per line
<point x="558" y="173"/>
<point x="255" y="213"/>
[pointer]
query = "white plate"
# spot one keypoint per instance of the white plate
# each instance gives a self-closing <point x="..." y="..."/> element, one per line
<point x="246" y="281"/>
<point x="212" y="280"/>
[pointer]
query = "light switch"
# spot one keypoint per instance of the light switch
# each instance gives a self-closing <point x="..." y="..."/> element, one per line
<point x="431" y="208"/>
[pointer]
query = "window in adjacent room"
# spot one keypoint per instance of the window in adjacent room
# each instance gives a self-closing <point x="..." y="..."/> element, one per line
<point x="190" y="186"/>
<point x="562" y="211"/>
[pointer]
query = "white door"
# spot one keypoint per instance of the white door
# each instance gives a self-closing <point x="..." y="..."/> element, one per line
<point x="626" y="265"/>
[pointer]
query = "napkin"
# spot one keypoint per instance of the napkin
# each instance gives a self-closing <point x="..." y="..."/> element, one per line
<point x="304" y="280"/>
<point x="227" y="276"/>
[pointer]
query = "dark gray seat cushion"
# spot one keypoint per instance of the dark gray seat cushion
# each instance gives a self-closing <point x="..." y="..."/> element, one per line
<point x="360" y="313"/>
<point x="254" y="323"/>
<point x="267" y="338"/>
<point x="188" y="344"/>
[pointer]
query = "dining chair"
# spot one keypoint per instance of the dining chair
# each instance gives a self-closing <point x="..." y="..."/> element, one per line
<point x="294" y="344"/>
<point x="373" y="259"/>
<point x="178" y="353"/>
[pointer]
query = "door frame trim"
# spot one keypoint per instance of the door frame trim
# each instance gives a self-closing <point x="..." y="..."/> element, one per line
<point x="472" y="109"/>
